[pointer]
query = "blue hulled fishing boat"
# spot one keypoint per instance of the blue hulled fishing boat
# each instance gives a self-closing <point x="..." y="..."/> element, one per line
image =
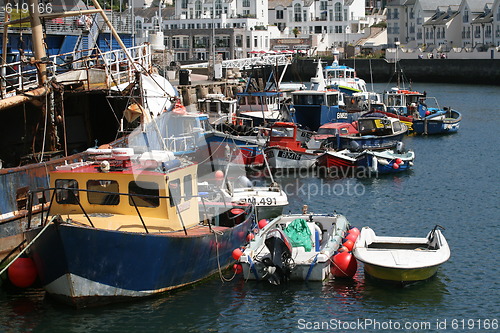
<point x="126" y="226"/>
<point x="375" y="131"/>
<point x="438" y="121"/>
<point x="387" y="161"/>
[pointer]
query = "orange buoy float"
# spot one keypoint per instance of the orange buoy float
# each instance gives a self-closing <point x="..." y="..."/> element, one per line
<point x="395" y="166"/>
<point x="399" y="161"/>
<point x="237" y="253"/>
<point x="343" y="249"/>
<point x="219" y="174"/>
<point x="22" y="272"/>
<point x="238" y="268"/>
<point x="343" y="265"/>
<point x="250" y="237"/>
<point x="348" y="243"/>
<point x="354" y="230"/>
<point x="351" y="237"/>
<point x="262" y="223"/>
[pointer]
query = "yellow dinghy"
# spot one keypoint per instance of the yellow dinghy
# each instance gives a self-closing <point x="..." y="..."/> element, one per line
<point x="401" y="259"/>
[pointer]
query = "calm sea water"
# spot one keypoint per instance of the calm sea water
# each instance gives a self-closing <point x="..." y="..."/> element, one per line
<point x="454" y="183"/>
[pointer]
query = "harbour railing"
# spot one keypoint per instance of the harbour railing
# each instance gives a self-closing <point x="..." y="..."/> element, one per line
<point x="246" y="63"/>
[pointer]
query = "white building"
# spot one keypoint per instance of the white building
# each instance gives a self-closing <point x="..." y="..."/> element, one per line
<point x="238" y="27"/>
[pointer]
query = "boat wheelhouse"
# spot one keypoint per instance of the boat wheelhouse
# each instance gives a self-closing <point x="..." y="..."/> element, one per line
<point x="312" y="108"/>
<point x="343" y="78"/>
<point x="285" y="150"/>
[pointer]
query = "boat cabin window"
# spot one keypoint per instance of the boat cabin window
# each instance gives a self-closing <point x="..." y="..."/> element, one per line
<point x="397" y="126"/>
<point x="174" y="189"/>
<point x="144" y="194"/>
<point x="395" y="100"/>
<point x="63" y="193"/>
<point x="103" y="192"/>
<point x="282" y="132"/>
<point x="332" y="131"/>
<point x="332" y="99"/>
<point x="188" y="187"/>
<point x="308" y="99"/>
<point x="366" y="126"/>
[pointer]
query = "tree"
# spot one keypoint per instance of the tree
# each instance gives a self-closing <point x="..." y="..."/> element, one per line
<point x="296" y="31"/>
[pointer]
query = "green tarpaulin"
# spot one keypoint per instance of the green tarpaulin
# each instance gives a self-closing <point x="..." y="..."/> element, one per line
<point x="299" y="234"/>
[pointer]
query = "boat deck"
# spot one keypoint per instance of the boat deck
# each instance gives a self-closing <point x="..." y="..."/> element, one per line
<point x="133" y="224"/>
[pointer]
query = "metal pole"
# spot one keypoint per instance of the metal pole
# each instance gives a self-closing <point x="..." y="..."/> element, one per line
<point x="37" y="36"/>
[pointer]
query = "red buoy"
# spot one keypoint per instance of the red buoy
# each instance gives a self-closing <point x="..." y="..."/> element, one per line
<point x="238" y="269"/>
<point x="262" y="223"/>
<point x="399" y="161"/>
<point x="219" y="174"/>
<point x="237" y="253"/>
<point x="354" y="230"/>
<point x="352" y="237"/>
<point x="343" y="249"/>
<point x="343" y="265"/>
<point x="22" y="273"/>
<point x="348" y="243"/>
<point x="395" y="166"/>
<point x="250" y="237"/>
<point x="238" y="215"/>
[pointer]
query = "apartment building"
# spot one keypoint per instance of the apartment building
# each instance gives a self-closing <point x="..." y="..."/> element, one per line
<point x="236" y="28"/>
<point x="443" y="24"/>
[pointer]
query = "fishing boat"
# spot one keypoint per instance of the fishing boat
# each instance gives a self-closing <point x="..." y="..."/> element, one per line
<point x="294" y="247"/>
<point x="81" y="107"/>
<point x="126" y="225"/>
<point x="269" y="201"/>
<point x="438" y="121"/>
<point x="328" y="132"/>
<point x="375" y="131"/>
<point x="313" y="108"/>
<point x="285" y="151"/>
<point x="401" y="260"/>
<point x="343" y="159"/>
<point x="386" y="161"/>
<point x="343" y="78"/>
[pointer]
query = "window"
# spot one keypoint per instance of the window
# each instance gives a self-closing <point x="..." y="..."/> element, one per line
<point x="279" y="14"/>
<point x="197" y="9"/>
<point x="487" y="32"/>
<point x="138" y="25"/>
<point x="174" y="189"/>
<point x="465" y="18"/>
<point x="103" y="192"/>
<point x="323" y="5"/>
<point x="144" y="194"/>
<point x="184" y="4"/>
<point x="188" y="187"/>
<point x="246" y="3"/>
<point x="218" y="8"/>
<point x="338" y="11"/>
<point x="297" y="12"/>
<point x="63" y="194"/>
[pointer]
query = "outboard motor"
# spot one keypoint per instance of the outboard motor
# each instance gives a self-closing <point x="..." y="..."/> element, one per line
<point x="279" y="265"/>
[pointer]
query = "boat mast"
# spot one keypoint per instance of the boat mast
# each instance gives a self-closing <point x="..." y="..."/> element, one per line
<point x="37" y="35"/>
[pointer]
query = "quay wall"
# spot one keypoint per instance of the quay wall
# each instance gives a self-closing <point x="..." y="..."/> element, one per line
<point x="468" y="71"/>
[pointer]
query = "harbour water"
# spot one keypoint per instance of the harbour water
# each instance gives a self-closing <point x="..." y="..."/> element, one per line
<point x="454" y="183"/>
